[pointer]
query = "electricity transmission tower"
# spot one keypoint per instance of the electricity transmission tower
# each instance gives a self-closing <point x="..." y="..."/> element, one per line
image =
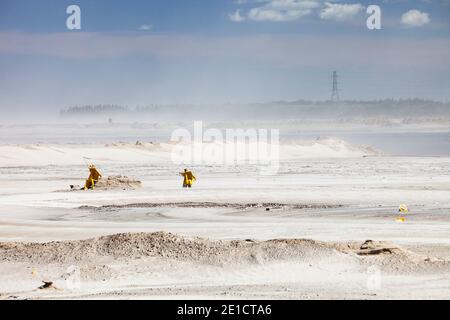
<point x="335" y="91"/>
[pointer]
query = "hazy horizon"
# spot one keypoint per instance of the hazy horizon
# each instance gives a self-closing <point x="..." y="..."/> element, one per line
<point x="218" y="52"/>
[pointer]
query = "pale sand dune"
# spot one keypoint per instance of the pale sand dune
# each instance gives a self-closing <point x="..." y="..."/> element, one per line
<point x="53" y="155"/>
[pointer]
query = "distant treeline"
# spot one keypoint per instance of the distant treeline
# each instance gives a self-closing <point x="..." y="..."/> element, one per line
<point x="111" y="109"/>
<point x="276" y="109"/>
<point x="97" y="109"/>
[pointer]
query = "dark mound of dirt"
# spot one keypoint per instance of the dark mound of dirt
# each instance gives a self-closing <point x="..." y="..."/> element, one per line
<point x="240" y="206"/>
<point x="165" y="245"/>
<point x="118" y="182"/>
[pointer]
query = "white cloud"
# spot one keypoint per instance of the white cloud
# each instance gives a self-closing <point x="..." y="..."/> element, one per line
<point x="145" y="27"/>
<point x="263" y="14"/>
<point x="340" y="12"/>
<point x="293" y="4"/>
<point x="281" y="10"/>
<point x="236" y="17"/>
<point x="415" y="18"/>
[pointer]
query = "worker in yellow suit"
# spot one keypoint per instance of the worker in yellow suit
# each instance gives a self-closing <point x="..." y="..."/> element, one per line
<point x="94" y="176"/>
<point x="189" y="178"/>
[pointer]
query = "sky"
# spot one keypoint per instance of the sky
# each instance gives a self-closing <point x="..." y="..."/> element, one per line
<point x="140" y="52"/>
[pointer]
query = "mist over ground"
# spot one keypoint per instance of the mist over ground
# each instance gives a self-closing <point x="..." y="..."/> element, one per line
<point x="406" y="109"/>
<point x="396" y="127"/>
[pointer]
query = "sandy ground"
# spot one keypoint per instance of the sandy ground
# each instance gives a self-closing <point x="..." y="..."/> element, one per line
<point x="236" y="234"/>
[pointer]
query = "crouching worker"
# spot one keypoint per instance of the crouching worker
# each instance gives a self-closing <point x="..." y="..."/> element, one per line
<point x="94" y="176"/>
<point x="189" y="178"/>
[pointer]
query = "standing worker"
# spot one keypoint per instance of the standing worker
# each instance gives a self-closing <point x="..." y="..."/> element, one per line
<point x="189" y="178"/>
<point x="94" y="176"/>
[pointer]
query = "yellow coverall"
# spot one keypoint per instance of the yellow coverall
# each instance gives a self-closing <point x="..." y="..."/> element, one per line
<point x="189" y="178"/>
<point x="94" y="176"/>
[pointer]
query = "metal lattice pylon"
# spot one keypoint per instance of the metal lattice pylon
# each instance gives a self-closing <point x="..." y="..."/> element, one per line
<point x="335" y="91"/>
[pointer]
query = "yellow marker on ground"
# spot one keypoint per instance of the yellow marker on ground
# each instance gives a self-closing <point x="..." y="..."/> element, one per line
<point x="403" y="208"/>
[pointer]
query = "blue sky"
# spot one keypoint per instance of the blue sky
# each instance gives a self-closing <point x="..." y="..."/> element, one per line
<point x="173" y="51"/>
